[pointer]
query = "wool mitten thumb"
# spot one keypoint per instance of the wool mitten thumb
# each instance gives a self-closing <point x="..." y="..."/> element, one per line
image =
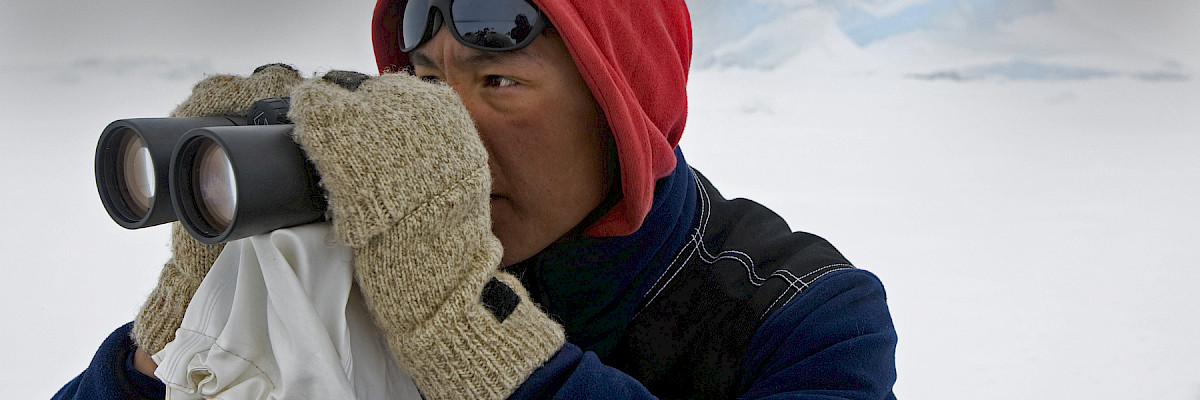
<point x="409" y="190"/>
<point x="162" y="313"/>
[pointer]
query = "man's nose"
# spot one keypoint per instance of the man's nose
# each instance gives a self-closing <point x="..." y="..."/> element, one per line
<point x="472" y="102"/>
<point x="469" y="100"/>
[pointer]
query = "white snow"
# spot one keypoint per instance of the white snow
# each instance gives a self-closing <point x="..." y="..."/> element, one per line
<point x="1037" y="236"/>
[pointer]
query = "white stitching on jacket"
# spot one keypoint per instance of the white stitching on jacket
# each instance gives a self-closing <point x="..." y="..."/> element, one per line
<point x="747" y="263"/>
<point x="695" y="244"/>
<point x="827" y="269"/>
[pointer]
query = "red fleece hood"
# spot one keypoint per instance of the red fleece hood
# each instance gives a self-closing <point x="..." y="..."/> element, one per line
<point x="635" y="60"/>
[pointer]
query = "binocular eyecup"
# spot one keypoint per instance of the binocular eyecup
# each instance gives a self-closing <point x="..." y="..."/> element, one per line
<point x="223" y="178"/>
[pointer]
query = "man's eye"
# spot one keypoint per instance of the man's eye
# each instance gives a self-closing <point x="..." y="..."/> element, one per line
<point x="499" y="81"/>
<point x="432" y="79"/>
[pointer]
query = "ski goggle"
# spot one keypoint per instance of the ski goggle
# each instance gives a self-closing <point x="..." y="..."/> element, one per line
<point x="490" y="25"/>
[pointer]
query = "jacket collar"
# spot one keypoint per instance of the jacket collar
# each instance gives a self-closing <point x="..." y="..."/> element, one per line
<point x="593" y="285"/>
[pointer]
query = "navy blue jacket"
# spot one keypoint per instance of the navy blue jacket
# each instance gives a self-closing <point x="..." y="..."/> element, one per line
<point x="711" y="298"/>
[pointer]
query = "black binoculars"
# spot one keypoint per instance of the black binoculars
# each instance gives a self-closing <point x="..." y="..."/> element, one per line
<point x="224" y="178"/>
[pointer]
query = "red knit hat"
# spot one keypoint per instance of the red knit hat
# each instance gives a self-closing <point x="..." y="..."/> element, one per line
<point x="634" y="55"/>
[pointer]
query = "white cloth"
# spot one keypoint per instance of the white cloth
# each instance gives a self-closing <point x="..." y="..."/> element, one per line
<point x="279" y="317"/>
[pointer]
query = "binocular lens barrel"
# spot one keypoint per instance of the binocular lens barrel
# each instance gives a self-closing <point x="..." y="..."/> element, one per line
<point x="232" y="182"/>
<point x="220" y="177"/>
<point x="133" y="158"/>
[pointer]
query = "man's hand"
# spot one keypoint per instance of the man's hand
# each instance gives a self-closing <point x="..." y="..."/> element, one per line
<point x="190" y="260"/>
<point x="409" y="190"/>
<point x="143" y="363"/>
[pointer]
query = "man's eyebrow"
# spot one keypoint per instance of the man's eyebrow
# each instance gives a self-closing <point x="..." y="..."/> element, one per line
<point x="419" y="59"/>
<point x="475" y="58"/>
<point x="481" y="57"/>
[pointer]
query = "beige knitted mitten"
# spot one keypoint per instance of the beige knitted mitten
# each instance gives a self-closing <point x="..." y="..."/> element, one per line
<point x="408" y="186"/>
<point x="190" y="260"/>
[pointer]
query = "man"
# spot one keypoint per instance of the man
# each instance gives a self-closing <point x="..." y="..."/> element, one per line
<point x="636" y="278"/>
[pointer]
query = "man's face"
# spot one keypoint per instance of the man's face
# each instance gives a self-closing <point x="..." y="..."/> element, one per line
<point x="546" y="137"/>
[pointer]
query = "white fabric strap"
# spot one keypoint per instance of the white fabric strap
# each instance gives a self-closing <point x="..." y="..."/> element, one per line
<point x="279" y="317"/>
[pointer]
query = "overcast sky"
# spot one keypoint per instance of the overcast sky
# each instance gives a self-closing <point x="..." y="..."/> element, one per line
<point x="216" y="32"/>
<point x="198" y="36"/>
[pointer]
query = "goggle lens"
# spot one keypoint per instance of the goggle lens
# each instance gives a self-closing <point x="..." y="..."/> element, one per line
<point x="481" y="24"/>
<point x="493" y="24"/>
<point x="417" y="18"/>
